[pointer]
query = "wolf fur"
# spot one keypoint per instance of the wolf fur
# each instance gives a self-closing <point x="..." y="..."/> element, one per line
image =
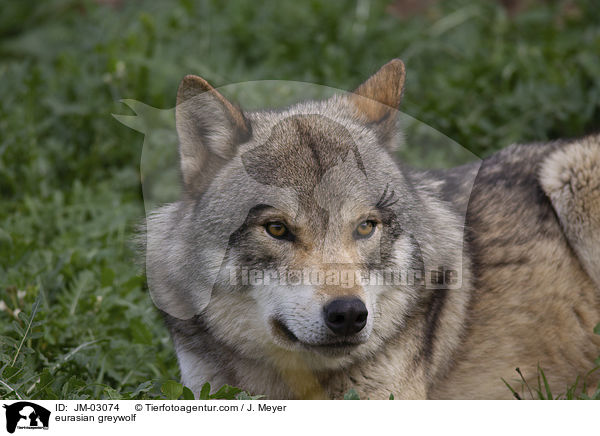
<point x="522" y="228"/>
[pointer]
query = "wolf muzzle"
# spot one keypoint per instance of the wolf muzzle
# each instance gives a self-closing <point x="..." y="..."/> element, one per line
<point x="345" y="316"/>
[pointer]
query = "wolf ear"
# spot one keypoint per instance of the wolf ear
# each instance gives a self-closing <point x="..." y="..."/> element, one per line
<point x="377" y="99"/>
<point x="209" y="127"/>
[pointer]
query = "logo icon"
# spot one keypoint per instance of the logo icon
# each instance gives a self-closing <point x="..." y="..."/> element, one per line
<point x="26" y="415"/>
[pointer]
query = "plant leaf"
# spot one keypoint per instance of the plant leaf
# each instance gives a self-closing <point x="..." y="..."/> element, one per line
<point x="171" y="389"/>
<point x="351" y="395"/>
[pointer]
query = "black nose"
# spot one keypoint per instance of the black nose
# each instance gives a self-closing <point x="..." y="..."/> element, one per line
<point x="346" y="316"/>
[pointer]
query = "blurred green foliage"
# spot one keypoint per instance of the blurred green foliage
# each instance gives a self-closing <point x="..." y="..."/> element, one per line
<point x="75" y="319"/>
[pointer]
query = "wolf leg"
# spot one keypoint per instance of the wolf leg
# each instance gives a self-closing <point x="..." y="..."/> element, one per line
<point x="571" y="178"/>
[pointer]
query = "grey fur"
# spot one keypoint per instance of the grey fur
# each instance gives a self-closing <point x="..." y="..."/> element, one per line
<point x="522" y="295"/>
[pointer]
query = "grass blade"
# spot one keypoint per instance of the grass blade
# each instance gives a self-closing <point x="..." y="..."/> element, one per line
<point x="34" y="310"/>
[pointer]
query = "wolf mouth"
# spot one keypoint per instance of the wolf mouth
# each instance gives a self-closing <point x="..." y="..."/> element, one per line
<point x="283" y="330"/>
<point x="342" y="344"/>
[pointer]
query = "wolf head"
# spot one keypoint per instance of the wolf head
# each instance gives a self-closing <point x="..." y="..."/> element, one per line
<point x="297" y="234"/>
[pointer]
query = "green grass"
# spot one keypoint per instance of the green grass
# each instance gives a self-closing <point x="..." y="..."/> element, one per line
<point x="76" y="320"/>
<point x="579" y="390"/>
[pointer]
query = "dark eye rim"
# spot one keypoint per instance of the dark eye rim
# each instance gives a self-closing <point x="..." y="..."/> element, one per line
<point x="357" y="235"/>
<point x="285" y="236"/>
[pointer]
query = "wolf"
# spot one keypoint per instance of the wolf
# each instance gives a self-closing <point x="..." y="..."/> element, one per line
<point x="303" y="259"/>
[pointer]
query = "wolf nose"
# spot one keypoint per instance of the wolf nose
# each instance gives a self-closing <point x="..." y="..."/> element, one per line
<point x="346" y="316"/>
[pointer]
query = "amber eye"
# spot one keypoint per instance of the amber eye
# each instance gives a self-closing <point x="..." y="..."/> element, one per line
<point x="365" y="229"/>
<point x="277" y="230"/>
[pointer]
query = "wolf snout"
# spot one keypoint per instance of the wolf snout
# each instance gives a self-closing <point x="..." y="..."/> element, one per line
<point x="345" y="316"/>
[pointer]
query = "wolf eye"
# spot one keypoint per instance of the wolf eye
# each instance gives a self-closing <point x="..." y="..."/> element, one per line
<point x="365" y="229"/>
<point x="278" y="230"/>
